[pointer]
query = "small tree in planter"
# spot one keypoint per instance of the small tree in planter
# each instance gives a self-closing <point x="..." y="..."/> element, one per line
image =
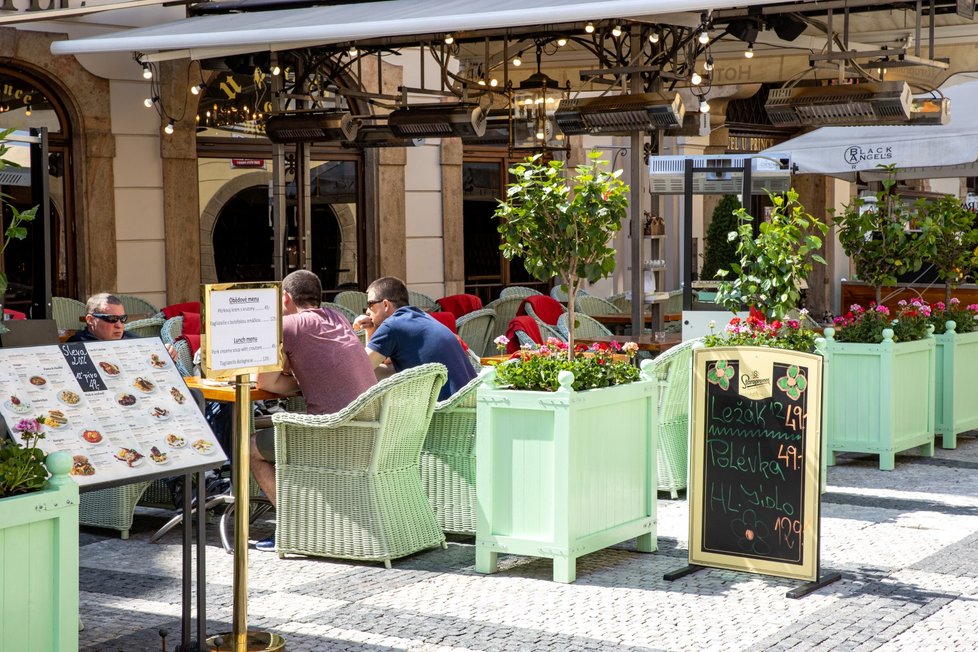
<point x="951" y="241"/>
<point x="721" y="251"/>
<point x="561" y="226"/>
<point x="876" y="237"/>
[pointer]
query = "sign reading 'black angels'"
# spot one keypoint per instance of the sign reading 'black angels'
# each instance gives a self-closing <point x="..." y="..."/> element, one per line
<point x="755" y="459"/>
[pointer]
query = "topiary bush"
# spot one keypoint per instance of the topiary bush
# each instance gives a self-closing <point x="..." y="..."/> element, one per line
<point x="720" y="251"/>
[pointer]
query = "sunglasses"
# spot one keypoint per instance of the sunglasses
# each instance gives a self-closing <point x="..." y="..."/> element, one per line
<point x="112" y="319"/>
<point x="375" y="301"/>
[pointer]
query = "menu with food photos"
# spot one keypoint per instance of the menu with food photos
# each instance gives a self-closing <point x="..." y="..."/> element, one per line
<point x="120" y="408"/>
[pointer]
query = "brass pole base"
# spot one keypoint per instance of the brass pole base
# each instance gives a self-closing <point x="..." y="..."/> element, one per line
<point x="255" y="641"/>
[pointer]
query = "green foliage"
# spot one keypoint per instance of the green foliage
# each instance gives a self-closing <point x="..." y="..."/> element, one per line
<point x="720" y="249"/>
<point x="757" y="331"/>
<point x="561" y="226"/>
<point x="16" y="230"/>
<point x="22" y="468"/>
<point x="773" y="264"/>
<point x="875" y="236"/>
<point x="950" y="240"/>
<point x="962" y="316"/>
<point x="865" y="325"/>
<point x="537" y="370"/>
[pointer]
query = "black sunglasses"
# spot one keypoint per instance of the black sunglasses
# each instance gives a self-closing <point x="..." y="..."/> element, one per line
<point x="370" y="303"/>
<point x="112" y="319"/>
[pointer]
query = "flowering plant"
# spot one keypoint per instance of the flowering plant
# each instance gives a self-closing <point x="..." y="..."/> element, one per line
<point x="757" y="331"/>
<point x="963" y="318"/>
<point x="598" y="365"/>
<point x="865" y="325"/>
<point x="22" y="468"/>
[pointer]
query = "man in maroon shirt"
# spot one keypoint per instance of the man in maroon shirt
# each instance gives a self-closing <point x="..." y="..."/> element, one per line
<point x="322" y="357"/>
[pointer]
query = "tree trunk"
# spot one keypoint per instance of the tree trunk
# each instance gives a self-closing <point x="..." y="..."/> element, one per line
<point x="947" y="295"/>
<point x="571" y="291"/>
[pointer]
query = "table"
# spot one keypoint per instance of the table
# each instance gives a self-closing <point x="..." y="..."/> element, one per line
<point x="224" y="392"/>
<point x="645" y="342"/>
<point x="653" y="318"/>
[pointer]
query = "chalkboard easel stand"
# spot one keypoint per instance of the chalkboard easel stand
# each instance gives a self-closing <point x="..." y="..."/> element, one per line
<point x="809" y="587"/>
<point x="671" y="576"/>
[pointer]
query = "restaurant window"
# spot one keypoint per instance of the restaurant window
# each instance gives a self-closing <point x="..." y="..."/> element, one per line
<point x="27" y="102"/>
<point x="235" y="173"/>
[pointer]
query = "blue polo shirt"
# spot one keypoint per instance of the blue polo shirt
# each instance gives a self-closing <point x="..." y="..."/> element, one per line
<point x="411" y="337"/>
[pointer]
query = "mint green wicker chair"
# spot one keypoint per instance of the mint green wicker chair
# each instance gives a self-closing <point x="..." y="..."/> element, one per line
<point x="505" y="308"/>
<point x="423" y="301"/>
<point x="592" y="305"/>
<point x="622" y="301"/>
<point x="67" y="313"/>
<point x="448" y="460"/>
<point x="349" y="483"/>
<point x="171" y="329"/>
<point x="343" y="310"/>
<point x="672" y="369"/>
<point x="353" y="300"/>
<point x="517" y="291"/>
<point x="476" y="328"/>
<point x="587" y="327"/>
<point x="546" y="330"/>
<point x="137" y="305"/>
<point x="149" y="327"/>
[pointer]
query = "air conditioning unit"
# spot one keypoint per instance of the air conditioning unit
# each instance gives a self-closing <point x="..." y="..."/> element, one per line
<point x="853" y="105"/>
<point x="438" y="121"/>
<point x="619" y="114"/>
<point x="311" y="127"/>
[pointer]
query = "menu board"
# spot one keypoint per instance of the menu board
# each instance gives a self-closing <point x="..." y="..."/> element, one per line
<point x="242" y="326"/>
<point x="755" y="458"/>
<point x="120" y="408"/>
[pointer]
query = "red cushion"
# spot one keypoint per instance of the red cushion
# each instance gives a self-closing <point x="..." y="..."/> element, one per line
<point x="178" y="309"/>
<point x="14" y="314"/>
<point x="547" y="309"/>
<point x="193" y="340"/>
<point x="460" y="304"/>
<point x="526" y="324"/>
<point x="191" y="323"/>
<point x="447" y="319"/>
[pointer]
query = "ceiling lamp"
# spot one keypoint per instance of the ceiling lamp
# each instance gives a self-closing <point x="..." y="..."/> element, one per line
<point x="531" y="112"/>
<point x="311" y="127"/>
<point x="619" y="114"/>
<point x="437" y="120"/>
<point x="854" y="104"/>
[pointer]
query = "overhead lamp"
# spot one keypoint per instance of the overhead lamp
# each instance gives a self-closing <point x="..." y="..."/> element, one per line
<point x="449" y="39"/>
<point x="311" y="127"/>
<point x="276" y="71"/>
<point x="147" y="71"/>
<point x="653" y="37"/>
<point x="531" y="111"/>
<point x="619" y="114"/>
<point x="708" y="66"/>
<point x="493" y="82"/>
<point x="353" y="52"/>
<point x="704" y="106"/>
<point x="561" y="42"/>
<point x="437" y="120"/>
<point x="28" y="111"/>
<point x="853" y="104"/>
<point x="197" y="88"/>
<point x="589" y="28"/>
<point x="749" y="52"/>
<point x="616" y="31"/>
<point x="695" y="79"/>
<point x="704" y="37"/>
<point x="380" y="135"/>
<point x="150" y="101"/>
<point x="517" y="61"/>
<point x="168" y="128"/>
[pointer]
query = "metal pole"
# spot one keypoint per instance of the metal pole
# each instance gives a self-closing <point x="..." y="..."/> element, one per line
<point x="201" y="558"/>
<point x="41" y="293"/>
<point x="241" y="468"/>
<point x="688" y="234"/>
<point x="638" y="244"/>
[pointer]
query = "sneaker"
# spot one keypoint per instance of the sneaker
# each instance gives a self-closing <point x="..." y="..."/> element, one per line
<point x="266" y="545"/>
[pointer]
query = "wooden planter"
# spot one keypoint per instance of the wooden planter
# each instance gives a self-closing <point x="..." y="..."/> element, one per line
<point x="956" y="407"/>
<point x="879" y="398"/>
<point x="562" y="474"/>
<point x="39" y="565"/>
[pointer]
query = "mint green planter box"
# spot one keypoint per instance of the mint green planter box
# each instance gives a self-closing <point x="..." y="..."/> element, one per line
<point x="39" y="565"/>
<point x="954" y="388"/>
<point x="879" y="398"/>
<point x="562" y="474"/>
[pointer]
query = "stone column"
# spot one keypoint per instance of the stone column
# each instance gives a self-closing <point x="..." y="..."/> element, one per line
<point x="452" y="216"/>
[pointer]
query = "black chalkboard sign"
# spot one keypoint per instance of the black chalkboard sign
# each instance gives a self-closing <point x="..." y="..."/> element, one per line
<point x="755" y="459"/>
<point x="82" y="366"/>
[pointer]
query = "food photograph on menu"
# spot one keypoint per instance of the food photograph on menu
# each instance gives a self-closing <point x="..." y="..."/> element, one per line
<point x="120" y="409"/>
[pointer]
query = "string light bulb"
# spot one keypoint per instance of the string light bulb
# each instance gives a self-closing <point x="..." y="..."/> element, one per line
<point x="654" y="37"/>
<point x="749" y="52"/>
<point x="704" y="106"/>
<point x="28" y="111"/>
<point x="708" y="66"/>
<point x="168" y="128"/>
<point x="704" y="37"/>
<point x="589" y="28"/>
<point x="276" y="71"/>
<point x="150" y="101"/>
<point x="494" y="82"/>
<point x="353" y="52"/>
<point x="561" y="42"/>
<point x="147" y="71"/>
<point x="616" y="31"/>
<point x="449" y="39"/>
<point x="517" y="61"/>
<point x="695" y="79"/>
<point x="196" y="89"/>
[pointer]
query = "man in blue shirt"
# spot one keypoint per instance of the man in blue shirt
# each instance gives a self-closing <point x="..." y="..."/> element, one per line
<point x="408" y="336"/>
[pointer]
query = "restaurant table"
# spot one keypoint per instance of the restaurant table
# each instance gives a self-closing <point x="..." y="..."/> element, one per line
<point x="617" y="321"/>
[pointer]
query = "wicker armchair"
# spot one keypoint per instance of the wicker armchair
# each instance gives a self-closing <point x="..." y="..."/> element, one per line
<point x="113" y="508"/>
<point x="149" y="327"/>
<point x="448" y="460"/>
<point x="505" y="308"/>
<point x="67" y="313"/>
<point x="353" y="300"/>
<point x="349" y="483"/>
<point x="423" y="301"/>
<point x="340" y="308"/>
<point x="672" y="369"/>
<point x="560" y="294"/>
<point x="171" y="329"/>
<point x="586" y="327"/>
<point x="137" y="305"/>
<point x="546" y="330"/>
<point x="592" y="305"/>
<point x="476" y="329"/>
<point x="520" y="291"/>
<point x="169" y="332"/>
<point x="622" y="301"/>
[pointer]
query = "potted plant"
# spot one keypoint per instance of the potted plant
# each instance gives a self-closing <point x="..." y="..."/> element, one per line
<point x="879" y="377"/>
<point x="16" y="230"/>
<point x="565" y="445"/>
<point x="956" y="341"/>
<point x="38" y="528"/>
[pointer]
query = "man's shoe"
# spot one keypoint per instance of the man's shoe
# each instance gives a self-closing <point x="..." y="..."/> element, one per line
<point x="266" y="545"/>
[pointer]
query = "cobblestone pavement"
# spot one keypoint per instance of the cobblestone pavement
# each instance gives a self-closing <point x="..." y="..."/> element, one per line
<point x="906" y="542"/>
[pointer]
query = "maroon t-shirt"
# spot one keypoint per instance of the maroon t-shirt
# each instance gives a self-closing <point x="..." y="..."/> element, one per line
<point x="327" y="359"/>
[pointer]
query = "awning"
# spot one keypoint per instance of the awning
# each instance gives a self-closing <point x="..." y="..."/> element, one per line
<point x="216" y="35"/>
<point x="928" y="152"/>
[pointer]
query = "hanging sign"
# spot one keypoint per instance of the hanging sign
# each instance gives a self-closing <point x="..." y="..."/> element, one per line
<point x="755" y="460"/>
<point x="241" y="329"/>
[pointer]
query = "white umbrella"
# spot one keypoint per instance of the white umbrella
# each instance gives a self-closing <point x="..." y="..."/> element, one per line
<point x="922" y="152"/>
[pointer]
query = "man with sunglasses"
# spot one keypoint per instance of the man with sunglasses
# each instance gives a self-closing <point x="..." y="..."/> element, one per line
<point x="105" y="320"/>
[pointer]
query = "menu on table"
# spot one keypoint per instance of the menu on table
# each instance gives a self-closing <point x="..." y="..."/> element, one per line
<point x="120" y="408"/>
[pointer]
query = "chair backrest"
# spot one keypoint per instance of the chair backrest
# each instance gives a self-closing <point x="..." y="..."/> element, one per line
<point x="171" y="329"/>
<point x="672" y="369"/>
<point x="505" y="309"/>
<point x="586" y="327"/>
<point x="185" y="357"/>
<point x="137" y="305"/>
<point x="29" y="332"/>
<point x="622" y="301"/>
<point x="67" y="313"/>
<point x="517" y="291"/>
<point x="546" y="330"/>
<point x="422" y="300"/>
<point x="394" y="415"/>
<point x="560" y="294"/>
<point x="674" y="302"/>
<point x="343" y="310"/>
<point x="455" y="417"/>
<point x="353" y="300"/>
<point x="476" y="329"/>
<point x="592" y="305"/>
<point x="149" y="327"/>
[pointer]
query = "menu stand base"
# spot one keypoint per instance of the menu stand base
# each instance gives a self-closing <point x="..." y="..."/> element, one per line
<point x="808" y="587"/>
<point x="255" y="642"/>
<point x="682" y="572"/>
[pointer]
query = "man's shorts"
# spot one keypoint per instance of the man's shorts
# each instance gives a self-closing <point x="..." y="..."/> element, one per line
<point x="265" y="441"/>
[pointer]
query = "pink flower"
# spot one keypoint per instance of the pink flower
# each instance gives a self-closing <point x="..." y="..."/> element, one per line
<point x="940" y="305"/>
<point x="973" y="307"/>
<point x="631" y="348"/>
<point x="502" y="340"/>
<point x="883" y="310"/>
<point x="954" y="301"/>
<point x="28" y="425"/>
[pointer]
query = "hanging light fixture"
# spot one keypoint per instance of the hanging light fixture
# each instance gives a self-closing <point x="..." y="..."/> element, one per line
<point x="616" y="31"/>
<point x="589" y="28"/>
<point x="654" y="37"/>
<point x="147" y="71"/>
<point x="168" y="128"/>
<point x="749" y="52"/>
<point x="531" y="112"/>
<point x="695" y="79"/>
<point x="708" y="66"/>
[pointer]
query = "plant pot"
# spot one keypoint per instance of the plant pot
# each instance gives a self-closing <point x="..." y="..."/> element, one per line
<point x="562" y="474"/>
<point x="956" y="410"/>
<point x="39" y="564"/>
<point x="879" y="398"/>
